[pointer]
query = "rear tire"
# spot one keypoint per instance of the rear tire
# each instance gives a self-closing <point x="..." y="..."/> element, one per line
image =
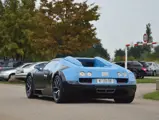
<point x="29" y="87"/>
<point x="57" y="90"/>
<point x="128" y="99"/>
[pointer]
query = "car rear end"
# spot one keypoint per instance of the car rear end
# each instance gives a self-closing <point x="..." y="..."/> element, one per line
<point x="146" y="69"/>
<point x="99" y="79"/>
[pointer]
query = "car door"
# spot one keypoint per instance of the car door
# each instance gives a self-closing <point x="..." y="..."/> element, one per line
<point x="48" y="71"/>
<point x="39" y="77"/>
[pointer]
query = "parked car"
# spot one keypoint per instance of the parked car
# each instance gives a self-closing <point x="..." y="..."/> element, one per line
<point x="8" y="73"/>
<point x="134" y="66"/>
<point x="69" y="77"/>
<point x="154" y="67"/>
<point x="10" y="65"/>
<point x="21" y="73"/>
<point x="148" y="71"/>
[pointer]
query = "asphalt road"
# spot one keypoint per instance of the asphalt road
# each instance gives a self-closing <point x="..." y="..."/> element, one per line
<point x="15" y="106"/>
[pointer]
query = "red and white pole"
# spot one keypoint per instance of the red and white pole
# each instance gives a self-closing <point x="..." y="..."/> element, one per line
<point x="139" y="44"/>
<point x="126" y="54"/>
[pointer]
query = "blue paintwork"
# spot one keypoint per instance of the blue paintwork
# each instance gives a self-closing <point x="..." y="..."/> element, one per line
<point x="74" y="67"/>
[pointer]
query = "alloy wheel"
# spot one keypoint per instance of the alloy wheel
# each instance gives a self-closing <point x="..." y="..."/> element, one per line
<point x="56" y="88"/>
<point x="28" y="85"/>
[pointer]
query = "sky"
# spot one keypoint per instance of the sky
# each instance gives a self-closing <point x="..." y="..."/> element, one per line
<point x="124" y="21"/>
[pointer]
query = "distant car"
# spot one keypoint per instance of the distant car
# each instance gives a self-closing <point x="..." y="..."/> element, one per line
<point x="70" y="77"/>
<point x="154" y="67"/>
<point x="10" y="65"/>
<point x="134" y="66"/>
<point x="8" y="73"/>
<point x="148" y="71"/>
<point x="21" y="73"/>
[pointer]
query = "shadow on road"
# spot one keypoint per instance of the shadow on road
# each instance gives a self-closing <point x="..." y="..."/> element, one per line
<point x="81" y="101"/>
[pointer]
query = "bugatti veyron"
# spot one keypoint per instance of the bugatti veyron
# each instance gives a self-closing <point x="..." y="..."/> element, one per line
<point x="66" y="78"/>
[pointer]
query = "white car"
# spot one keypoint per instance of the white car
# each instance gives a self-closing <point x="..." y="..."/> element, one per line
<point x="155" y="67"/>
<point x="7" y="74"/>
<point x="21" y="73"/>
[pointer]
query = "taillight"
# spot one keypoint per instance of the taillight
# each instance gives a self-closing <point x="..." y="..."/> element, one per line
<point x="0" y="68"/>
<point x="144" y="69"/>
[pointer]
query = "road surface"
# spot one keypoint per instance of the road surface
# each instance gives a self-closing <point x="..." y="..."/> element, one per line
<point x="15" y="106"/>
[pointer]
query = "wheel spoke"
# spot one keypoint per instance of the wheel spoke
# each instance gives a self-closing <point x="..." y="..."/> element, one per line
<point x="56" y="88"/>
<point x="28" y="85"/>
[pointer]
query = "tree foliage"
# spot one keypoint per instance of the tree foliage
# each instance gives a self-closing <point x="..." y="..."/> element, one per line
<point x="119" y="55"/>
<point x="149" y="32"/>
<point x="95" y="50"/>
<point x="57" y="27"/>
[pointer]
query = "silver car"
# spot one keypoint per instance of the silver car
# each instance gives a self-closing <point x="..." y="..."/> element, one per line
<point x="154" y="66"/>
<point x="7" y="74"/>
<point x="21" y="73"/>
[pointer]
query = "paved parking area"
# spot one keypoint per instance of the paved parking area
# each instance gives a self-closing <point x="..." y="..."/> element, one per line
<point x="15" y="106"/>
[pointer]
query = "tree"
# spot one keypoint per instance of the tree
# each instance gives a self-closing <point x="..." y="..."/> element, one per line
<point x="1" y="24"/>
<point x="17" y="28"/>
<point x="119" y="55"/>
<point x="62" y="27"/>
<point x="148" y="32"/>
<point x="96" y="50"/>
<point x="67" y="27"/>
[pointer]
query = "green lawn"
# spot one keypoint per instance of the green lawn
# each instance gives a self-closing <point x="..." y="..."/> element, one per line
<point x="146" y="80"/>
<point x="152" y="96"/>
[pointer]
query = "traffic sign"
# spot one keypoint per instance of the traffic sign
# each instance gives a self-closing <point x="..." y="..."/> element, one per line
<point x="145" y="37"/>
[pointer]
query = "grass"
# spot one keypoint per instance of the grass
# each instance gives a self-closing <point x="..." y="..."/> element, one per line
<point x="152" y="96"/>
<point x="146" y="80"/>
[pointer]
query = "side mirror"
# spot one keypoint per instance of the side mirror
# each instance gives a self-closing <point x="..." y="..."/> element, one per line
<point x="38" y="68"/>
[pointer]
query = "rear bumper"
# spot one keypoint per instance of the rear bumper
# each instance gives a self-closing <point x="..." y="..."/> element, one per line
<point x="99" y="91"/>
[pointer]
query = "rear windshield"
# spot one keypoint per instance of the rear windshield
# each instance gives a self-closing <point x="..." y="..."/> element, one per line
<point x="137" y="64"/>
<point x="145" y="64"/>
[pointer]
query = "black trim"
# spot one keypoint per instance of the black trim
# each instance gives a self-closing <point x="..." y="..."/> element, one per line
<point x="99" y="91"/>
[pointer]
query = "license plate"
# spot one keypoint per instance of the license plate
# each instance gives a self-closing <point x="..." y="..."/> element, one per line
<point x="105" y="81"/>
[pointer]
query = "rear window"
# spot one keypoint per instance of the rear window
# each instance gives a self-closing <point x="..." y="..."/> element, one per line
<point x="137" y="64"/>
<point x="144" y="64"/>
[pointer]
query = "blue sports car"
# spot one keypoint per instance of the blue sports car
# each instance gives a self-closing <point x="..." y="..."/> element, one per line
<point x="71" y="77"/>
